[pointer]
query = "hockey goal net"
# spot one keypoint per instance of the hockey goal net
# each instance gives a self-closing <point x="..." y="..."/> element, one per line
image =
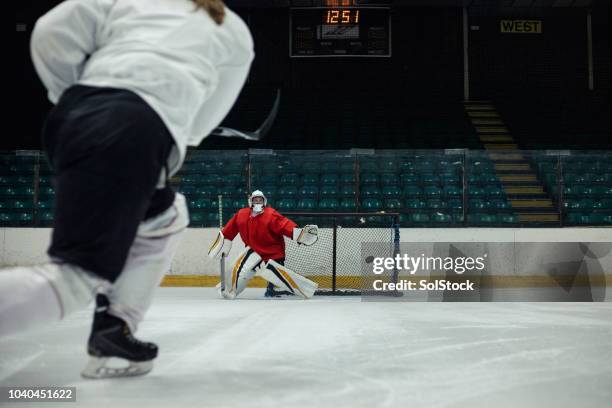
<point x="334" y="261"/>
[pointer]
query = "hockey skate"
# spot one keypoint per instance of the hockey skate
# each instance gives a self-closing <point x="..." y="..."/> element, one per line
<point x="111" y="338"/>
<point x="272" y="292"/>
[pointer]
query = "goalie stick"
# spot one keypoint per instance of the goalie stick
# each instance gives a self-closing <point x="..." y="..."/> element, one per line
<point x="257" y="134"/>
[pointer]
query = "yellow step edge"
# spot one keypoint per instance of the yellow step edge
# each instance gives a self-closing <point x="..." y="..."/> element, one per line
<point x="473" y="108"/>
<point x="524" y="189"/>
<point x="497" y="122"/>
<point x="493" y="138"/>
<point x="480" y="129"/>
<point x="506" y="156"/>
<point x="544" y="203"/>
<point x="485" y="114"/>
<point x="538" y="217"/>
<point x="513" y="167"/>
<point x="500" y="146"/>
<point x="517" y="177"/>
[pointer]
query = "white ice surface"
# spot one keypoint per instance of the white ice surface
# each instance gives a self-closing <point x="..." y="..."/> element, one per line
<point x="336" y="352"/>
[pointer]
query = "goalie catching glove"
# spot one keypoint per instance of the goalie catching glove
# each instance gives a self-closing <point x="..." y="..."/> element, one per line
<point x="307" y="235"/>
<point x="220" y="247"/>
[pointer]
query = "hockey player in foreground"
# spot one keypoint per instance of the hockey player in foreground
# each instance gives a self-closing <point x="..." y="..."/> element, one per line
<point x="134" y="83"/>
<point x="262" y="230"/>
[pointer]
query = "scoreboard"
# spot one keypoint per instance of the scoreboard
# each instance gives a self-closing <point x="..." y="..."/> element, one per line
<point x="340" y="32"/>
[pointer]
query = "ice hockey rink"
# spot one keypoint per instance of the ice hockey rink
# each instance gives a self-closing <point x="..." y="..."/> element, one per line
<point x="336" y="352"/>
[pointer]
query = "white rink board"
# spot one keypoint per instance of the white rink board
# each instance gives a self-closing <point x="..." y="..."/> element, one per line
<point x="27" y="246"/>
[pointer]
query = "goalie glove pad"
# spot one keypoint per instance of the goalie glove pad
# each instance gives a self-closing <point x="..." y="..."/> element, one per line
<point x="220" y="247"/>
<point x="307" y="235"/>
<point x="286" y="279"/>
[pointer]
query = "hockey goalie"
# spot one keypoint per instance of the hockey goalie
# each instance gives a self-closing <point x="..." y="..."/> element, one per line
<point x="262" y="230"/>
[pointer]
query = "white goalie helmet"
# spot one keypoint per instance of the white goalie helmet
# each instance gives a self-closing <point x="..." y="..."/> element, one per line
<point x="257" y="193"/>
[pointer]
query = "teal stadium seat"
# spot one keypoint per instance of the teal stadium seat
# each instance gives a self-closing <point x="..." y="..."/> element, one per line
<point x="478" y="204"/>
<point x="197" y="218"/>
<point x="494" y="191"/>
<point x="507" y="218"/>
<point x="348" y="190"/>
<point x="409" y="179"/>
<point x="475" y="191"/>
<point x="500" y="204"/>
<point x="481" y="218"/>
<point x="311" y="167"/>
<point x="308" y="191"/>
<point x="452" y="191"/>
<point x="441" y="217"/>
<point x="368" y="166"/>
<point x="455" y="204"/>
<point x="436" y="204"/>
<point x="265" y="179"/>
<point x="288" y="191"/>
<point x="329" y="204"/>
<point x="347" y="167"/>
<point x="269" y="190"/>
<point x="369" y="178"/>
<point x="206" y="190"/>
<point x="348" y="205"/>
<point x="371" y="204"/>
<point x="46" y="191"/>
<point x="388" y="165"/>
<point x="307" y="204"/>
<point x="391" y="191"/>
<point x="370" y="191"/>
<point x="290" y="179"/>
<point x="45" y="204"/>
<point x="286" y="204"/>
<point x="432" y="191"/>
<point x="388" y="179"/>
<point x="328" y="190"/>
<point x="430" y="179"/>
<point x="414" y="203"/>
<point x="330" y="166"/>
<point x="347" y="178"/>
<point x="46" y="216"/>
<point x="393" y="204"/>
<point x="419" y="217"/>
<point x="202" y="203"/>
<point x="412" y="191"/>
<point x="310" y="179"/>
<point x="330" y="178"/>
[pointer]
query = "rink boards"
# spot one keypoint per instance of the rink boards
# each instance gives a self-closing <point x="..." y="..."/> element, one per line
<point x="191" y="267"/>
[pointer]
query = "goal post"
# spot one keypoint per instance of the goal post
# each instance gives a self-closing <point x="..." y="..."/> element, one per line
<point x="335" y="260"/>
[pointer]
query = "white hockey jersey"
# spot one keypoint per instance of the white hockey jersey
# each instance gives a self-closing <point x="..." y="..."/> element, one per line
<point x="186" y="67"/>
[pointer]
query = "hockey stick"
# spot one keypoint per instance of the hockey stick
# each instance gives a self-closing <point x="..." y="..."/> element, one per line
<point x="257" y="134"/>
<point x="222" y="260"/>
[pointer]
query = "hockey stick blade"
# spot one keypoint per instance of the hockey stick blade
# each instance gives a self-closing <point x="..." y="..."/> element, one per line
<point x="258" y="134"/>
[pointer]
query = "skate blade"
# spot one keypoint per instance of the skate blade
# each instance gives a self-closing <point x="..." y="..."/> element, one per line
<point x="96" y="369"/>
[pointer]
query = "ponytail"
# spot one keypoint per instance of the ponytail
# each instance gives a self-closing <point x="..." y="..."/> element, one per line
<point x="215" y="8"/>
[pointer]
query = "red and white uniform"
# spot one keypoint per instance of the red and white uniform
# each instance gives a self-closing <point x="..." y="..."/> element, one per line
<point x="263" y="232"/>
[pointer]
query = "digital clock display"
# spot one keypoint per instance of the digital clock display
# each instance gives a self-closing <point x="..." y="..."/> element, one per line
<point x="346" y="16"/>
<point x="340" y="32"/>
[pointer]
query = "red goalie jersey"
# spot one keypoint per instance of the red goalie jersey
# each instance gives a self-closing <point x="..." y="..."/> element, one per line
<point x="263" y="233"/>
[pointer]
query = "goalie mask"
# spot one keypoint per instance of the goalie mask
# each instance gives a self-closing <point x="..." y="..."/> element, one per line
<point x="258" y="207"/>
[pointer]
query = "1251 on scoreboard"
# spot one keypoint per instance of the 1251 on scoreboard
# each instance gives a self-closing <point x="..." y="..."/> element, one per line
<point x="340" y="32"/>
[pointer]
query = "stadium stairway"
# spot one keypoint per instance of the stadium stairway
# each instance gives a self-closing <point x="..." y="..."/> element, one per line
<point x="524" y="190"/>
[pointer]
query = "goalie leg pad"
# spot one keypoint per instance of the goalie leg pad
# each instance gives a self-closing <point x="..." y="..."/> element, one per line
<point x="242" y="272"/>
<point x="286" y="279"/>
